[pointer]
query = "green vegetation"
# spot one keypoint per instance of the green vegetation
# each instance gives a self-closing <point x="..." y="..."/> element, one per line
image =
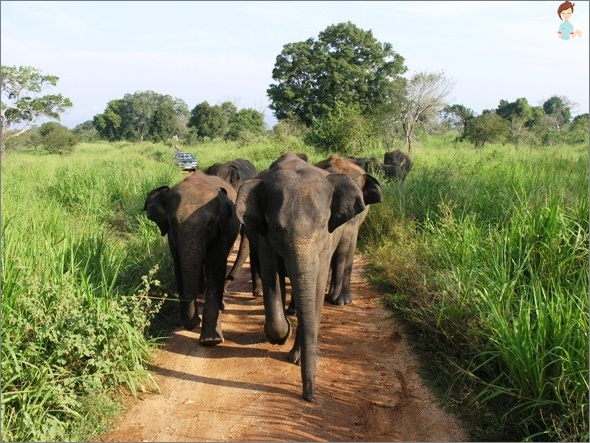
<point x="483" y="253"/>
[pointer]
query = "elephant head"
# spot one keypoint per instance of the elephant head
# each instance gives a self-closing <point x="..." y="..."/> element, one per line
<point x="235" y="172"/>
<point x="397" y="165"/>
<point x="295" y="208"/>
<point x="156" y="207"/>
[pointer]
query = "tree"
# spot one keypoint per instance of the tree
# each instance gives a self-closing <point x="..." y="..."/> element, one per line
<point x="163" y="125"/>
<point x="22" y="102"/>
<point x="344" y="131"/>
<point x="518" y="114"/>
<point x="577" y="130"/>
<point x="244" y="124"/>
<point x="108" y="124"/>
<point x="86" y="132"/>
<point x="209" y="121"/>
<point x="57" y="139"/>
<point x="425" y="97"/>
<point x="485" y="128"/>
<point x="345" y="65"/>
<point x="559" y="110"/>
<point x="457" y="116"/>
<point x="131" y="118"/>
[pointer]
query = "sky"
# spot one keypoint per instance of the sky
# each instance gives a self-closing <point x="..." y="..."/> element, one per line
<point x="226" y="50"/>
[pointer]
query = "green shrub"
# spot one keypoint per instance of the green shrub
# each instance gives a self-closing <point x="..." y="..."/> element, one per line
<point x="57" y="139"/>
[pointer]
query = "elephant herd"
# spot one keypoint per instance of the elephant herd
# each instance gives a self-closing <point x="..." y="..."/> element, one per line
<point x="295" y="220"/>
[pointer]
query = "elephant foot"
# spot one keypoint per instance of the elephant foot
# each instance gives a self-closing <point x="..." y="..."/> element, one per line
<point x="226" y="284"/>
<point x="211" y="341"/>
<point x="294" y="356"/>
<point x="273" y="339"/>
<point x="191" y="324"/>
<point x="341" y="300"/>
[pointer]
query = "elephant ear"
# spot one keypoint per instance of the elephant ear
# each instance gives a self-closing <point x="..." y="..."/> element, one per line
<point x="249" y="208"/>
<point x="347" y="200"/>
<point x="156" y="206"/>
<point x="234" y="176"/>
<point x="371" y="190"/>
<point x="228" y="205"/>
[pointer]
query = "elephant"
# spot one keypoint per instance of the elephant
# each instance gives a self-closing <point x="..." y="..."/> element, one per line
<point x="370" y="165"/>
<point x="236" y="172"/>
<point x="199" y="217"/>
<point x="397" y="165"/>
<point x="296" y="209"/>
<point x="342" y="260"/>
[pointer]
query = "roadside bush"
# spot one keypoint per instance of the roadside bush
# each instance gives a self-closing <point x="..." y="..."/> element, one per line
<point x="57" y="139"/>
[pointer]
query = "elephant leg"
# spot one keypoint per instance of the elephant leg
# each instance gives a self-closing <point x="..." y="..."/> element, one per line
<point x="215" y="267"/>
<point x="177" y="266"/>
<point x="345" y="297"/>
<point x="277" y="327"/>
<point x="255" y="273"/>
<point x="188" y="272"/>
<point x="189" y="314"/>
<point x="337" y="268"/>
<point x="243" y="252"/>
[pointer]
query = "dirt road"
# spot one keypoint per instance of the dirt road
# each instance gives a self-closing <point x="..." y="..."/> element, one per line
<point x="367" y="386"/>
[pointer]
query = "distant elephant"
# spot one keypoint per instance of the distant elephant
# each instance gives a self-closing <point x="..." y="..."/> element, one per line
<point x="370" y="165"/>
<point x="199" y="217"/>
<point x="342" y="260"/>
<point x="397" y="165"/>
<point x="296" y="209"/>
<point x="236" y="172"/>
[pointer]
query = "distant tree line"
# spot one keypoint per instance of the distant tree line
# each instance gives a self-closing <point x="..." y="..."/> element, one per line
<point x="342" y="92"/>
<point x="518" y="122"/>
<point x="150" y="116"/>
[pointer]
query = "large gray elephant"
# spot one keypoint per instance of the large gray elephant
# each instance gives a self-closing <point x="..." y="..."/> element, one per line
<point x="236" y="172"/>
<point x="342" y="260"/>
<point x="199" y="217"/>
<point x="296" y="209"/>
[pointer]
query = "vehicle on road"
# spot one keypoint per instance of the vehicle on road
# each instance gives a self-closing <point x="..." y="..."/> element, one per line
<point x="186" y="161"/>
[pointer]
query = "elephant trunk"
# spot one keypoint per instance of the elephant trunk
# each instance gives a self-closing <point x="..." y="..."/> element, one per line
<point x="308" y="285"/>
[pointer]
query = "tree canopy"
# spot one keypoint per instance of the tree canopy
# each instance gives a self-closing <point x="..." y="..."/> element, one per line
<point x="141" y="116"/>
<point x="22" y="102"/>
<point x="425" y="97"/>
<point x="225" y="121"/>
<point x="345" y="65"/>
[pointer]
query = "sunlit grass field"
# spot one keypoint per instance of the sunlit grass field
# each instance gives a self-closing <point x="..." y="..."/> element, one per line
<point x="483" y="252"/>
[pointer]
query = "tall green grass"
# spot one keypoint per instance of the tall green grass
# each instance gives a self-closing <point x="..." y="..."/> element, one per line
<point x="486" y="252"/>
<point x="75" y="288"/>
